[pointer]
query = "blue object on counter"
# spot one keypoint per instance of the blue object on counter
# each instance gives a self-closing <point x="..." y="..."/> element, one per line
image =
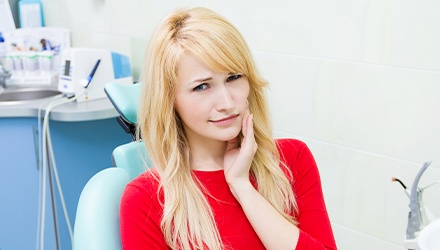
<point x="121" y="65"/>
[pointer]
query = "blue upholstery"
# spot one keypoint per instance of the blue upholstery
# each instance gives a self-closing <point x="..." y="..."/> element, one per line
<point x="97" y="216"/>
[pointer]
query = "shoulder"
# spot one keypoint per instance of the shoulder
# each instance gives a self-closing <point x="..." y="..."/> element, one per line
<point x="290" y="149"/>
<point x="140" y="213"/>
<point x="147" y="180"/>
<point x="295" y="154"/>
<point x="289" y="143"/>
<point x="145" y="185"/>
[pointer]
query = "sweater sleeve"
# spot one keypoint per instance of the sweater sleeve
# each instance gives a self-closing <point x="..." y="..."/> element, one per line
<point x="314" y="224"/>
<point x="140" y="219"/>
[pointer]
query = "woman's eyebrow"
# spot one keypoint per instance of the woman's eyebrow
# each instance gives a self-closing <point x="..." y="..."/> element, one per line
<point x="200" y="80"/>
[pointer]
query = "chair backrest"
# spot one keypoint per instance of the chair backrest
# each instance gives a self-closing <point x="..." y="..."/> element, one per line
<point x="97" y="216"/>
<point x="132" y="158"/>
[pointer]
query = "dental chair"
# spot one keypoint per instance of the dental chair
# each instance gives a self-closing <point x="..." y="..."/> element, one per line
<point x="97" y="215"/>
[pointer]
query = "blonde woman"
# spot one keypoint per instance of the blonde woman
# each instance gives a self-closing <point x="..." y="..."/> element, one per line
<point x="219" y="180"/>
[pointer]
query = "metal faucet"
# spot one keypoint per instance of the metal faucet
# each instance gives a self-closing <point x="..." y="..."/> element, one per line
<point x="4" y="74"/>
<point x="414" y="215"/>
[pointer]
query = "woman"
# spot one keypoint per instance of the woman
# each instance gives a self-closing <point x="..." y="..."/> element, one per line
<point x="219" y="180"/>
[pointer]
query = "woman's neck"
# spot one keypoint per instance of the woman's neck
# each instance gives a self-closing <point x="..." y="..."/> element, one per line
<point x="207" y="156"/>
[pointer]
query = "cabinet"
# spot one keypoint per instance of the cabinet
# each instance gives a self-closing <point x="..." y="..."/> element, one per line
<point x="81" y="149"/>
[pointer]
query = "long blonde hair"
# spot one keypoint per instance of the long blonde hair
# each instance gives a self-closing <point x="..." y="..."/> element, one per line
<point x="188" y="222"/>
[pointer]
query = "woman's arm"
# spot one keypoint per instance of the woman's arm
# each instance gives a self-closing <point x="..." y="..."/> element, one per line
<point x="314" y="231"/>
<point x="313" y="219"/>
<point x="272" y="228"/>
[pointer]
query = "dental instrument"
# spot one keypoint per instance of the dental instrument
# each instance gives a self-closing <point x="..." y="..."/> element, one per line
<point x="76" y="63"/>
<point x="89" y="79"/>
<point x="403" y="185"/>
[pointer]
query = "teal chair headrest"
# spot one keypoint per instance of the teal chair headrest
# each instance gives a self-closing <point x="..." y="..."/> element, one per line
<point x="125" y="98"/>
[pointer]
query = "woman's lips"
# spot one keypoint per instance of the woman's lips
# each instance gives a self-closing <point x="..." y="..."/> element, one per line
<point x="225" y="121"/>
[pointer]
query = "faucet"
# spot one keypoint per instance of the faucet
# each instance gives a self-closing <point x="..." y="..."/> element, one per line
<point x="415" y="215"/>
<point x="419" y="215"/>
<point x="4" y="74"/>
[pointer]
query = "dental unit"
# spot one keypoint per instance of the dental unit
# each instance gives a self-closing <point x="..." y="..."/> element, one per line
<point x="75" y="72"/>
<point x="84" y="72"/>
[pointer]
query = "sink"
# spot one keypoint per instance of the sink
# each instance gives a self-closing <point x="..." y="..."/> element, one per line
<point x="429" y="237"/>
<point x="22" y="95"/>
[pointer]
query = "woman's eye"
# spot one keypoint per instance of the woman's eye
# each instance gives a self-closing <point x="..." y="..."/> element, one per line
<point x="234" y="77"/>
<point x="201" y="87"/>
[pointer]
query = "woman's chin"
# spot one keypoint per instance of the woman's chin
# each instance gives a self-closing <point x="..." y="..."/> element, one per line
<point x="230" y="137"/>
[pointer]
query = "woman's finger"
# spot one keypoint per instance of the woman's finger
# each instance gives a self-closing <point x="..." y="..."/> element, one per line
<point x="244" y="123"/>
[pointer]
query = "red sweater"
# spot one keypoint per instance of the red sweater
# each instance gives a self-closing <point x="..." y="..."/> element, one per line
<point x="140" y="211"/>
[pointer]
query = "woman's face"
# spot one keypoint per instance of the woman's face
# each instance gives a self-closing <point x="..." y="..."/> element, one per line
<point x="211" y="104"/>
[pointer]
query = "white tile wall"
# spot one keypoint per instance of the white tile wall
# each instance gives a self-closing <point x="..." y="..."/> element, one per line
<point x="360" y="241"/>
<point x="386" y="110"/>
<point x="359" y="81"/>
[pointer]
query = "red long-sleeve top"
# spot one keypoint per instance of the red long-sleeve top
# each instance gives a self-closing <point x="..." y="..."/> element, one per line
<point x="141" y="210"/>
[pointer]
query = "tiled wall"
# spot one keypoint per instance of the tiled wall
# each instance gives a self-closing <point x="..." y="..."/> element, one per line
<point x="358" y="81"/>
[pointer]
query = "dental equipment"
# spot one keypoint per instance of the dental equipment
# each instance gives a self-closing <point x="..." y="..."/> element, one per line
<point x="75" y="68"/>
<point x="48" y="162"/>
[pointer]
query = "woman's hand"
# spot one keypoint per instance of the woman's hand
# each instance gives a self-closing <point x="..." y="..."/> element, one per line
<point x="275" y="231"/>
<point x="238" y="158"/>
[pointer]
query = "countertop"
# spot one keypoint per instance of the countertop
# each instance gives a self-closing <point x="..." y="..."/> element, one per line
<point x="70" y="112"/>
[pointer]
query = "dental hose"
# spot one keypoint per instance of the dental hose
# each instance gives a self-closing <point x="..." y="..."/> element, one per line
<point x="46" y="139"/>
<point x="42" y="166"/>
<point x="45" y="156"/>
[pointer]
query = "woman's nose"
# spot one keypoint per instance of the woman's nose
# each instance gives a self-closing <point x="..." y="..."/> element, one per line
<point x="224" y="99"/>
